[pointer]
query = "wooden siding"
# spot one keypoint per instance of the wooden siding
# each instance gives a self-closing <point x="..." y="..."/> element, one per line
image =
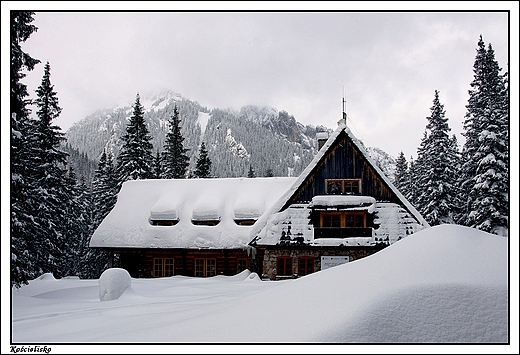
<point x="343" y="161"/>
<point x="139" y="263"/>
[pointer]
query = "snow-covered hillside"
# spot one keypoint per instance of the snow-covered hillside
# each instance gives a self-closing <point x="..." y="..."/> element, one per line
<point x="446" y="284"/>
<point x="261" y="137"/>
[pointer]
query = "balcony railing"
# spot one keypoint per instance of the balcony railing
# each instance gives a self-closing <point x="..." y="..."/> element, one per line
<point x="332" y="232"/>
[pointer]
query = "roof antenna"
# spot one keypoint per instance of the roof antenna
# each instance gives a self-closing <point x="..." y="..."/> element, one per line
<point x="344" y="102"/>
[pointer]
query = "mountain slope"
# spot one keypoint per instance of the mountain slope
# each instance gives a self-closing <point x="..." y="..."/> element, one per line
<point x="235" y="139"/>
<point x="261" y="137"/>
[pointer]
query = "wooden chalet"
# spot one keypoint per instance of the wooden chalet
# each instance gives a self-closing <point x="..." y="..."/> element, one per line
<point x="191" y="227"/>
<point x="341" y="208"/>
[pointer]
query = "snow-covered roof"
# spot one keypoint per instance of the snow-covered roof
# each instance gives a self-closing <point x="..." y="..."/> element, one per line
<point x="186" y="201"/>
<point x="258" y="229"/>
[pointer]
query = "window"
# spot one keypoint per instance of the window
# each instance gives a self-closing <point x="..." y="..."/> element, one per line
<point x="241" y="265"/>
<point x="205" y="267"/>
<point x="245" y="222"/>
<point x="351" y="187"/>
<point x="284" y="265"/>
<point x="206" y="223"/>
<point x="343" y="220"/>
<point x="163" y="267"/>
<point x="305" y="265"/>
<point x="343" y="186"/>
<point x="163" y="222"/>
<point x="331" y="220"/>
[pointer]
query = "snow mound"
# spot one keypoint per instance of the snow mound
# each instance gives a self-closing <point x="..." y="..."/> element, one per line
<point x="445" y="284"/>
<point x="47" y="277"/>
<point x="113" y="283"/>
<point x="253" y="277"/>
<point x="241" y="276"/>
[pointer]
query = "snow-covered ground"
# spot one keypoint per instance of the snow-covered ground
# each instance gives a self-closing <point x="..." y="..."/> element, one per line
<point x="443" y="284"/>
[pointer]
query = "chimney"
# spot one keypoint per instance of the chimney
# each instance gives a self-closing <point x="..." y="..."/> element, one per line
<point x="322" y="138"/>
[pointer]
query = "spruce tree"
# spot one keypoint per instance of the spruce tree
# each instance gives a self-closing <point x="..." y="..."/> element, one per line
<point x="103" y="199"/>
<point x="203" y="165"/>
<point x="401" y="173"/>
<point x="50" y="176"/>
<point x="174" y="156"/>
<point x="135" y="159"/>
<point x="23" y="228"/>
<point x="157" y="167"/>
<point x="269" y="173"/>
<point x="436" y="165"/>
<point x="412" y="191"/>
<point x="484" y="174"/>
<point x="251" y="172"/>
<point x="104" y="189"/>
<point x="76" y="224"/>
<point x="85" y="207"/>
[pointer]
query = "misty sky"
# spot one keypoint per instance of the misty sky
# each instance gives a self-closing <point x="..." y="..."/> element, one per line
<point x="388" y="64"/>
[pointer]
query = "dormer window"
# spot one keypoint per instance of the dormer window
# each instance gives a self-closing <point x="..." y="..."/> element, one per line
<point x="163" y="216"/>
<point x="245" y="222"/>
<point x="163" y="222"/>
<point x="205" y="222"/>
<point x="343" y="186"/>
<point x="206" y="214"/>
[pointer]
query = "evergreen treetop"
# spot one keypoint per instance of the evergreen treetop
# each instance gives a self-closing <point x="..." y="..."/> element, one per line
<point x="203" y="166"/>
<point x="435" y="167"/>
<point x="135" y="158"/>
<point x="251" y="172"/>
<point x="174" y="157"/>
<point x="401" y="173"/>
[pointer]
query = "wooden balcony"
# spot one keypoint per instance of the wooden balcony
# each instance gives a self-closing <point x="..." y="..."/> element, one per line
<point x="332" y="232"/>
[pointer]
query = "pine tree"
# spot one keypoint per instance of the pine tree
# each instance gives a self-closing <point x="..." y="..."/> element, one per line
<point x="54" y="186"/>
<point x="76" y="225"/>
<point x="412" y="191"/>
<point x="52" y="191"/>
<point x="157" y="167"/>
<point x="85" y="229"/>
<point x="135" y="158"/>
<point x="436" y="165"/>
<point x="251" y="172"/>
<point x="104" y="189"/>
<point x="269" y="173"/>
<point x="484" y="176"/>
<point x="174" y="156"/>
<point x="103" y="199"/>
<point x="401" y="173"/>
<point x="203" y="165"/>
<point x="23" y="228"/>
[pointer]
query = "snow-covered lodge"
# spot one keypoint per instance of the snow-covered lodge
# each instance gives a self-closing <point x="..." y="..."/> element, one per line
<point x="341" y="208"/>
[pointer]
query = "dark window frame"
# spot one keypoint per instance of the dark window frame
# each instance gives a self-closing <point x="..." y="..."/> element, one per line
<point x="284" y="265"/>
<point x="163" y="267"/>
<point x="343" y="186"/>
<point x="305" y="265"/>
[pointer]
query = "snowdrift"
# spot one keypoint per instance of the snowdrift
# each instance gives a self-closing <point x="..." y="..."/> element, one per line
<point x="446" y="284"/>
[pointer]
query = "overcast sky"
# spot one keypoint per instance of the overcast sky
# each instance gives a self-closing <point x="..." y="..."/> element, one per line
<point x="387" y="63"/>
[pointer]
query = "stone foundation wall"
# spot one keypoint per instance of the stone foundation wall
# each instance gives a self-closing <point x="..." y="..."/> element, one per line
<point x="271" y="255"/>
